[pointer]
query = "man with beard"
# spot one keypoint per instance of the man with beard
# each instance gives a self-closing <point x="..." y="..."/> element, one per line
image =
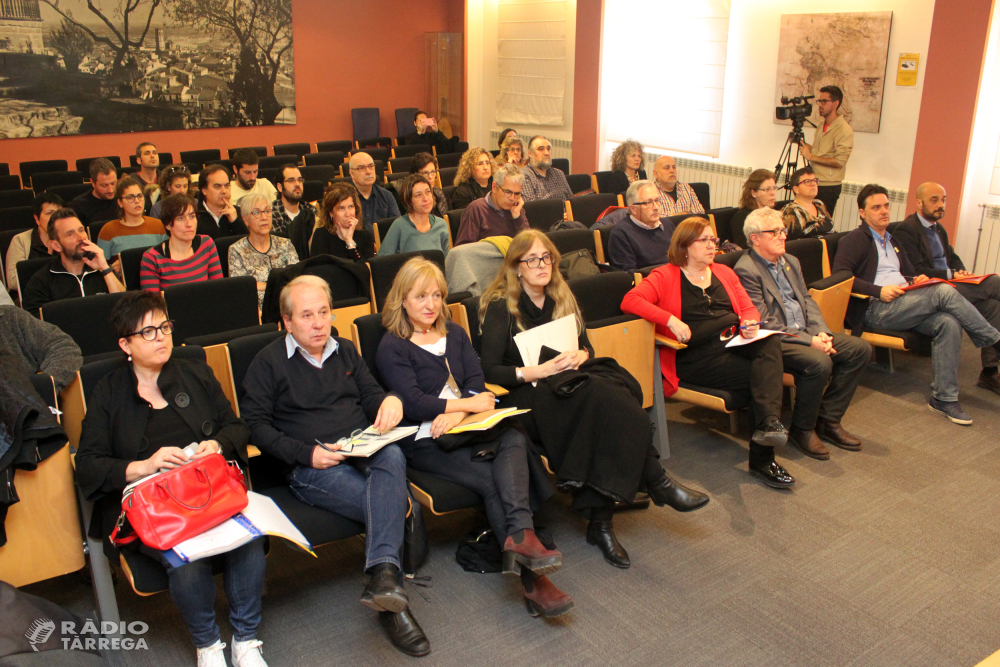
<point x="246" y="167"/>
<point x="541" y="179"/>
<point x="925" y="242"/>
<point x="290" y="216"/>
<point x="98" y="205"/>
<point x="78" y="266"/>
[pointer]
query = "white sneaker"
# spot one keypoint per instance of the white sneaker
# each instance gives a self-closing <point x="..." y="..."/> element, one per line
<point x="212" y="656"/>
<point x="248" y="654"/>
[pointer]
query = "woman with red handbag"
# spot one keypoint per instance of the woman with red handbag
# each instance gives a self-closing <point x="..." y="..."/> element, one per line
<point x="139" y="419"/>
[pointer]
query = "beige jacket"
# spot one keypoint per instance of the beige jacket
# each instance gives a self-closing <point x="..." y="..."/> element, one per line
<point x="18" y="251"/>
<point x="837" y="142"/>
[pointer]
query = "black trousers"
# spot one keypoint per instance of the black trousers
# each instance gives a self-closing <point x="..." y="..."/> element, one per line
<point x="829" y="194"/>
<point x="824" y="384"/>
<point x="755" y="368"/>
<point x="986" y="298"/>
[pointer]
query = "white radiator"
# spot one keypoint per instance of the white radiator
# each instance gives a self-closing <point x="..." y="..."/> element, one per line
<point x="725" y="183"/>
<point x="987" y="255"/>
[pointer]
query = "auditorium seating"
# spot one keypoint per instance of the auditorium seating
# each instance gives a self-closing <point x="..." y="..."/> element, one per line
<point x="222" y="248"/>
<point x="365" y="122"/>
<point x="83" y="164"/>
<point x="277" y="161"/>
<point x="165" y="159"/>
<point x="29" y="169"/>
<point x="298" y="150"/>
<point x="543" y="213"/>
<point x="70" y="192"/>
<point x="454" y="218"/>
<point x="320" y="172"/>
<point x="195" y="306"/>
<point x="131" y="260"/>
<point x="586" y="208"/>
<point x="343" y="146"/>
<point x="8" y="182"/>
<point x="201" y="157"/>
<point x="87" y="321"/>
<point x="578" y="182"/>
<point x="15" y="198"/>
<point x="333" y="158"/>
<point x="381" y="228"/>
<point x="410" y="150"/>
<point x="43" y="180"/>
<point x="447" y="160"/>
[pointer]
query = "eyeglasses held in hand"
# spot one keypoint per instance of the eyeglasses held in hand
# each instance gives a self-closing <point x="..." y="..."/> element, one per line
<point x="149" y="333"/>
<point x="535" y="262"/>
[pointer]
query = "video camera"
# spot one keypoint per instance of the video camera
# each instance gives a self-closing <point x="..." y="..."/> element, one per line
<point x="795" y="109"/>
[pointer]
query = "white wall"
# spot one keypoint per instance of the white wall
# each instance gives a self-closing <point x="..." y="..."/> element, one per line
<point x="481" y="50"/>
<point x="749" y="136"/>
<point x="979" y="168"/>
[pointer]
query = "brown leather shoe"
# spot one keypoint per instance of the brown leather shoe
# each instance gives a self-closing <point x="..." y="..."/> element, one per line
<point x="544" y="599"/>
<point x="531" y="554"/>
<point x="836" y="434"/>
<point x="809" y="444"/>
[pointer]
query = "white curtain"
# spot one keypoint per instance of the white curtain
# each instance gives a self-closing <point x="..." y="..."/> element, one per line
<point x="665" y="64"/>
<point x="532" y="61"/>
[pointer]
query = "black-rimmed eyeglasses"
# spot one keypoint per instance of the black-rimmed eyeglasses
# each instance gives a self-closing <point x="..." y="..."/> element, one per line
<point x="149" y="333"/>
<point x="535" y="262"/>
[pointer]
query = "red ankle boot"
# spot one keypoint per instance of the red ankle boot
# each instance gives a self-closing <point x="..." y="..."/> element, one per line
<point x="544" y="599"/>
<point x="531" y="554"/>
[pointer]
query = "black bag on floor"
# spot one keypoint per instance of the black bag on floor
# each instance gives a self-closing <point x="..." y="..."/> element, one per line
<point x="480" y="551"/>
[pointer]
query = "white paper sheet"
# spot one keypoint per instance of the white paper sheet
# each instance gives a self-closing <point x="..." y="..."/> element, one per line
<point x="738" y="340"/>
<point x="560" y="335"/>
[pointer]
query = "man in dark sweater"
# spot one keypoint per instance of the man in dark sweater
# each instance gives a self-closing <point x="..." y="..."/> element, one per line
<point x="428" y="133"/>
<point x="881" y="270"/>
<point x="925" y="242"/>
<point x="301" y="395"/>
<point x="643" y="238"/>
<point x="98" y="205"/>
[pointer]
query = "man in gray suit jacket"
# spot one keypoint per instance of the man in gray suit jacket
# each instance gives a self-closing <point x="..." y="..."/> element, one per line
<point x="827" y="366"/>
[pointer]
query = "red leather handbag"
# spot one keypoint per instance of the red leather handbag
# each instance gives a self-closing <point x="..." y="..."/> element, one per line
<point x="168" y="508"/>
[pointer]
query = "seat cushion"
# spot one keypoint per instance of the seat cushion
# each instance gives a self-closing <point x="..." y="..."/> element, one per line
<point x="318" y="525"/>
<point x="447" y="496"/>
<point x="734" y="400"/>
<point x="914" y="342"/>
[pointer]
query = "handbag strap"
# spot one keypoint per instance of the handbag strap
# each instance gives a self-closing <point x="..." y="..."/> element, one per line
<point x="198" y="471"/>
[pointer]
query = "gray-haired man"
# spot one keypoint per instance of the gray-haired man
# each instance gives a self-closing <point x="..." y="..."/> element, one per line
<point x="500" y="213"/>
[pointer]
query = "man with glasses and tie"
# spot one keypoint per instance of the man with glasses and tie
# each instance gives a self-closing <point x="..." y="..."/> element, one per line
<point x="500" y="213"/>
<point x="831" y="146"/>
<point x="643" y="238"/>
<point x="827" y="366"/>
<point x="376" y="202"/>
<point x="288" y="205"/>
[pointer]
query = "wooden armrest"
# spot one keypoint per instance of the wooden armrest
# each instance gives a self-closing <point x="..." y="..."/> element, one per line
<point x="860" y="296"/>
<point x="496" y="389"/>
<point x="252" y="451"/>
<point x="669" y="342"/>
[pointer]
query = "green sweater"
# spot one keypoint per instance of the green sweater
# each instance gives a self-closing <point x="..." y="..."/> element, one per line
<point x="404" y="237"/>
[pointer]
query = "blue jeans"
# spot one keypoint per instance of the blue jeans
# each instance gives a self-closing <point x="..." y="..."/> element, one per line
<point x="942" y="313"/>
<point x="193" y="591"/>
<point x="367" y="490"/>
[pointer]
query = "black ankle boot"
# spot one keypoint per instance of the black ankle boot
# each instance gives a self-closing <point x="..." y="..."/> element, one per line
<point x="669" y="491"/>
<point x="602" y="534"/>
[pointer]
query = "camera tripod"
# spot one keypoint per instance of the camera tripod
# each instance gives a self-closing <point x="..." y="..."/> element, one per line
<point x="789" y="158"/>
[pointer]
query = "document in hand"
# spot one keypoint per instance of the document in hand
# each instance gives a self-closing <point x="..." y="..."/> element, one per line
<point x="483" y="421"/>
<point x="261" y="517"/>
<point x="560" y="335"/>
<point x="736" y="341"/>
<point x="370" y="440"/>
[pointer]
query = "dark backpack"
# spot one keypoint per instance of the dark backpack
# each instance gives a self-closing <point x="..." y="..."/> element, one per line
<point x="578" y="264"/>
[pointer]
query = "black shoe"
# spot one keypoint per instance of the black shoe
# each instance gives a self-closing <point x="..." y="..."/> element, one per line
<point x="670" y="492"/>
<point x="405" y="633"/>
<point x="602" y="534"/>
<point x="771" y="434"/>
<point x="991" y="382"/>
<point x="383" y="592"/>
<point x="772" y="474"/>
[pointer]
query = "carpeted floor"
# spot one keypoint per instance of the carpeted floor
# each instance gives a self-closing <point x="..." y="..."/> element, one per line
<point x="889" y="556"/>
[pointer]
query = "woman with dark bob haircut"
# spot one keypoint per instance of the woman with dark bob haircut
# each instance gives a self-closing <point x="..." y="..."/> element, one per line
<point x="597" y="437"/>
<point x="186" y="256"/>
<point x="702" y="305"/>
<point x="139" y="419"/>
<point x="342" y="232"/>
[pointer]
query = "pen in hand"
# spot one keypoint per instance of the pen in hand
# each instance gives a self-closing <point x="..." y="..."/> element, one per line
<point x="476" y="393"/>
<point x="324" y="446"/>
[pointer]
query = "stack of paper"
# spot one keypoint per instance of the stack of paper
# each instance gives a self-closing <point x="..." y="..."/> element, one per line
<point x="482" y="421"/>
<point x="560" y="335"/>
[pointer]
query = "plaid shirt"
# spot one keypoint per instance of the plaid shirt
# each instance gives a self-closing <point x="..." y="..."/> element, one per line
<point x="687" y="201"/>
<point x="553" y="186"/>
<point x="280" y="219"/>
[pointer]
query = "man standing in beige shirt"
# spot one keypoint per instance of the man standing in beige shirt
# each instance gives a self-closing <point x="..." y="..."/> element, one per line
<point x="831" y="147"/>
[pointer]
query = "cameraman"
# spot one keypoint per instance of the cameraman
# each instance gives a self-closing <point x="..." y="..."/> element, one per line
<point x="831" y="147"/>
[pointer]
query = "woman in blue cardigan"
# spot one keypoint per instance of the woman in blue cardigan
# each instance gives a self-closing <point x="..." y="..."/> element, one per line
<point x="430" y="363"/>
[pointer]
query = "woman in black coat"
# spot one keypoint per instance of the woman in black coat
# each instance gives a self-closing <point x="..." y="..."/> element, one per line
<point x="626" y="166"/>
<point x="139" y="419"/>
<point x="598" y="439"/>
<point x="430" y="363"/>
<point x="342" y="233"/>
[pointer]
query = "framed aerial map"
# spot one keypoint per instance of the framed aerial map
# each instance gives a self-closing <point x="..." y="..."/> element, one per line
<point x="849" y="50"/>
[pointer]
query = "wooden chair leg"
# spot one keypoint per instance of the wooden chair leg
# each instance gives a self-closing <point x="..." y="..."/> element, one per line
<point x="734" y="423"/>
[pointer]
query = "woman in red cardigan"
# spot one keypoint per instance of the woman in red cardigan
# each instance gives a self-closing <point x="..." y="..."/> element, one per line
<point x="703" y="305"/>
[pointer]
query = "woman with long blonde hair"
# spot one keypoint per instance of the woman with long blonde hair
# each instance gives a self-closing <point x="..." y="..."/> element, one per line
<point x="586" y="413"/>
<point x="430" y="363"/>
<point x="474" y="177"/>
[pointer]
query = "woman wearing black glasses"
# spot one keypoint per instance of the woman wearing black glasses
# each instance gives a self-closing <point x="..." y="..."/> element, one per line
<point x="597" y="437"/>
<point x="806" y="216"/>
<point x="140" y="417"/>
<point x="703" y="306"/>
<point x="759" y="191"/>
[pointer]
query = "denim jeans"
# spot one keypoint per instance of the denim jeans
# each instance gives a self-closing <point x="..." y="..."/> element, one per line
<point x="986" y="298"/>
<point x="367" y="490"/>
<point x="941" y="312"/>
<point x="502" y="483"/>
<point x="193" y="591"/>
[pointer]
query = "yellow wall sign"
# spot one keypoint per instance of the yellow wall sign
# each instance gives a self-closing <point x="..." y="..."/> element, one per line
<point x="906" y="75"/>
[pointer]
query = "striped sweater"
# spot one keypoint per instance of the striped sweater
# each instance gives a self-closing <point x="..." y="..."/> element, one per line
<point x="158" y="271"/>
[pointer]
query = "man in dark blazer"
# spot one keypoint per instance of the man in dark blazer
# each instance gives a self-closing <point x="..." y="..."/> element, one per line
<point x="881" y="270"/>
<point x="925" y="242"/>
<point x="827" y="366"/>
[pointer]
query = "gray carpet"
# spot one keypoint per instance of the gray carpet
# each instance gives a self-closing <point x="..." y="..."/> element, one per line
<point x="889" y="556"/>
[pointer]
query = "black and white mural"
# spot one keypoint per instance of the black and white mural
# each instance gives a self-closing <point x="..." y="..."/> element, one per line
<point x="103" y="66"/>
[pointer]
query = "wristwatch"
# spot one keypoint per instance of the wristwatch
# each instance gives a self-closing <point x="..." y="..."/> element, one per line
<point x="106" y="271"/>
<point x="519" y="374"/>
